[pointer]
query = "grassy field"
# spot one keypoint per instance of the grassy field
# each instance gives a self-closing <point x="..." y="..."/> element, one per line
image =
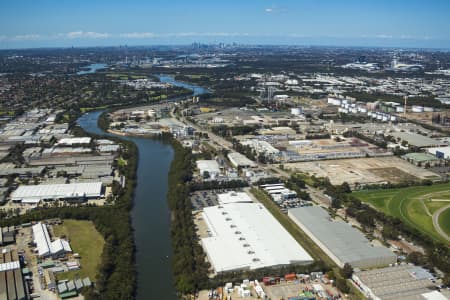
<point x="414" y="205"/>
<point x="444" y="221"/>
<point x="85" y="240"/>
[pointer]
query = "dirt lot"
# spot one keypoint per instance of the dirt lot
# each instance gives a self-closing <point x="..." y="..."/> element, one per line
<point x="285" y="290"/>
<point x="363" y="170"/>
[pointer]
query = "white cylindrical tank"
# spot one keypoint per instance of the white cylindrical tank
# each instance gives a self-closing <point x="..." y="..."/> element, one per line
<point x="296" y="111"/>
<point x="428" y="109"/>
<point x="334" y="101"/>
<point x="417" y="108"/>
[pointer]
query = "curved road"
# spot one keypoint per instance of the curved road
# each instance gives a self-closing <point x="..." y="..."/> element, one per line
<point x="436" y="222"/>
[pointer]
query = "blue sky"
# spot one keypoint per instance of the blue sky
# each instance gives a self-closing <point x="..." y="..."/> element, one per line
<point x="396" y="23"/>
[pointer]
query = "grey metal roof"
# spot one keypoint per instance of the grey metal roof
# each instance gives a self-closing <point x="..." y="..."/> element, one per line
<point x="416" y="139"/>
<point x="345" y="242"/>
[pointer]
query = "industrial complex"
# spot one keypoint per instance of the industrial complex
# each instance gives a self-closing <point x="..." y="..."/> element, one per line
<point x="242" y="235"/>
<point x="342" y="243"/>
<point x="399" y="283"/>
<point x="67" y="192"/>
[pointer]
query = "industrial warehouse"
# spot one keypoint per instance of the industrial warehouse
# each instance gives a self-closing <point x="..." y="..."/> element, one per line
<point x="12" y="286"/>
<point x="72" y="191"/>
<point x="341" y="242"/>
<point x="399" y="282"/>
<point x="208" y="168"/>
<point x="44" y="246"/>
<point x="242" y="235"/>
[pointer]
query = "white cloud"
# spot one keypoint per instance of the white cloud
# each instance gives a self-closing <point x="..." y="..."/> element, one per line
<point x="137" y="35"/>
<point x="384" y="36"/>
<point x="86" y="35"/>
<point x="274" y="9"/>
<point x="26" y="37"/>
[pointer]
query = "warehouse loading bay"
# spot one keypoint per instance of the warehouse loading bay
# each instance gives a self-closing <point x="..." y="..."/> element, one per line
<point x="373" y="170"/>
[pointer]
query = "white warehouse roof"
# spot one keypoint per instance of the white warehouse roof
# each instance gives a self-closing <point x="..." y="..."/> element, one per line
<point x="445" y="151"/>
<point x="74" y="141"/>
<point x="247" y="236"/>
<point x="239" y="160"/>
<point x="57" y="191"/>
<point x="211" y="166"/>
<point x="234" y="197"/>
<point x="44" y="245"/>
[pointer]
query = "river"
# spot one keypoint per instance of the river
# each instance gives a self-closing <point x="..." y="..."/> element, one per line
<point x="150" y="213"/>
<point x="92" y="68"/>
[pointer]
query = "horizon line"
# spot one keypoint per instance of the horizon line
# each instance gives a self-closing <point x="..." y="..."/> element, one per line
<point x="227" y="43"/>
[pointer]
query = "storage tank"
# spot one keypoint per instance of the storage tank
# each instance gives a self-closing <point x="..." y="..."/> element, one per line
<point x="353" y="110"/>
<point x="428" y="109"/>
<point x="393" y="118"/>
<point x="399" y="109"/>
<point x="379" y="117"/>
<point x="334" y="101"/>
<point x="417" y="108"/>
<point x="385" y="118"/>
<point x="296" y="111"/>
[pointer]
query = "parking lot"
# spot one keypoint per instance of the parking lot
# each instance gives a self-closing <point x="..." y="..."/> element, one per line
<point x="206" y="198"/>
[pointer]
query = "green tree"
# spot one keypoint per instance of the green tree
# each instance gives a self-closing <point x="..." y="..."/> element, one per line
<point x="347" y="271"/>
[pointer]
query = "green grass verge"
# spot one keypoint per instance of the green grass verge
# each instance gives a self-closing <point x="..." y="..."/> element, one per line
<point x="85" y="240"/>
<point x="87" y="109"/>
<point x="412" y="204"/>
<point x="444" y="221"/>
<point x="301" y="237"/>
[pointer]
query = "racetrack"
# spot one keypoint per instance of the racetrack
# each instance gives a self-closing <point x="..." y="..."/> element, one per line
<point x="416" y="206"/>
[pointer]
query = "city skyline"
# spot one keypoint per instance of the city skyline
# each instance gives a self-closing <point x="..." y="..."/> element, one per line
<point x="415" y="24"/>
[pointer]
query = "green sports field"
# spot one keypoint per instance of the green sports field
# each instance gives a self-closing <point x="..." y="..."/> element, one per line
<point x="415" y="206"/>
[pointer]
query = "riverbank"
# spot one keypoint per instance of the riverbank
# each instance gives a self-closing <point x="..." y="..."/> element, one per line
<point x="149" y="213"/>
